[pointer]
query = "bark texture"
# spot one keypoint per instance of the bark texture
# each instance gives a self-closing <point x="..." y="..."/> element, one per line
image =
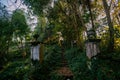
<point x="110" y="24"/>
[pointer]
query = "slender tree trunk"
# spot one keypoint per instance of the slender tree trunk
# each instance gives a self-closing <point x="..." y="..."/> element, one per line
<point x="89" y="7"/>
<point x="110" y="24"/>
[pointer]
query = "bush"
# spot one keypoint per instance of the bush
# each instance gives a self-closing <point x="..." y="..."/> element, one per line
<point x="15" y="71"/>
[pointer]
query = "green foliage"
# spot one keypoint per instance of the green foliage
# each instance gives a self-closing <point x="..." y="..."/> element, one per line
<point x="44" y="32"/>
<point x="55" y="76"/>
<point x="100" y="69"/>
<point x="16" y="70"/>
<point x="6" y="31"/>
<point x="86" y="17"/>
<point x="64" y="17"/>
<point x="19" y="68"/>
<point x="21" y="30"/>
<point x="39" y="72"/>
<point x="78" y="64"/>
<point x="53" y="56"/>
<point x="19" y="23"/>
<point x="37" y="5"/>
<point x="44" y="70"/>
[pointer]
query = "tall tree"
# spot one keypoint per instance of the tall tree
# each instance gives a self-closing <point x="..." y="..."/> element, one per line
<point x="110" y="24"/>
<point x="6" y="31"/>
<point x="68" y="20"/>
<point x="21" y="28"/>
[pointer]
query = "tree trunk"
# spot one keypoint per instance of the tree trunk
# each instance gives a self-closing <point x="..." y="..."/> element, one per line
<point x="110" y="24"/>
<point x="89" y="7"/>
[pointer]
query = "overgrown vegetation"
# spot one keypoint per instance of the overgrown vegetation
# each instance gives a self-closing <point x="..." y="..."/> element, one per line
<point x="61" y="31"/>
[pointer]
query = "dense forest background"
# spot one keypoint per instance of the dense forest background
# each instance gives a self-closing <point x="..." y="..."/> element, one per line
<point x="61" y="29"/>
